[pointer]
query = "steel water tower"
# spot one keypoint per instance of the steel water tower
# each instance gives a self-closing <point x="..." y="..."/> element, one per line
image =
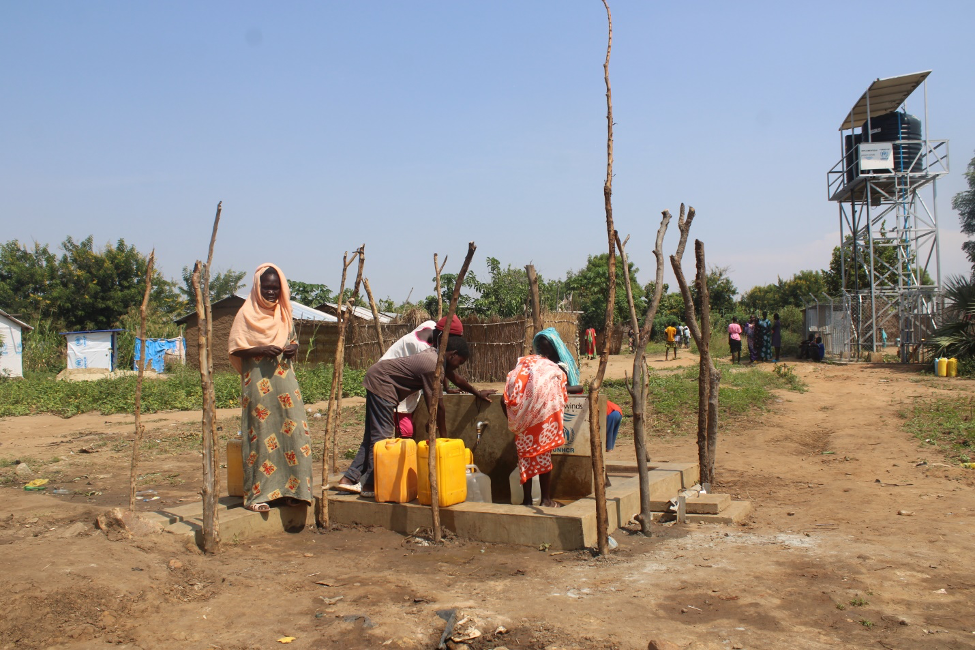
<point x="890" y="242"/>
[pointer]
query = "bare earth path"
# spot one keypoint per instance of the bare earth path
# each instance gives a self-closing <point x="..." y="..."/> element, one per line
<point x="827" y="560"/>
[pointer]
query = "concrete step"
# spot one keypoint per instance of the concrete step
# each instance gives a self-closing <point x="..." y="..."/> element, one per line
<point x="736" y="513"/>
<point x="705" y="504"/>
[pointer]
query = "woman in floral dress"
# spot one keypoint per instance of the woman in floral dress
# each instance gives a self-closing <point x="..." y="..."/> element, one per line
<point x="276" y="447"/>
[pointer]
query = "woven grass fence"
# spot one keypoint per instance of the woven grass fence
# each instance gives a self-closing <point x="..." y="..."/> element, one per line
<point x="495" y="343"/>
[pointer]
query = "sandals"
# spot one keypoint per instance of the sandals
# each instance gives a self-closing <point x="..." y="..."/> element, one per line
<point x="355" y="488"/>
<point x="258" y="507"/>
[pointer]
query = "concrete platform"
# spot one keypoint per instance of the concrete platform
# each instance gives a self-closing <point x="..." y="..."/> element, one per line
<point x="571" y="527"/>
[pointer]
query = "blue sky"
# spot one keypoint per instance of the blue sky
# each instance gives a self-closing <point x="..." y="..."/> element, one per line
<point x="416" y="127"/>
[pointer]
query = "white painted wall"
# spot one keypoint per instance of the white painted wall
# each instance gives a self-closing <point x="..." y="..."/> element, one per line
<point x="11" y="349"/>
<point x="89" y="350"/>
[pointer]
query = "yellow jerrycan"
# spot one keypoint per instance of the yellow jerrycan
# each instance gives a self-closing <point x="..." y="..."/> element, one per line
<point x="941" y="367"/>
<point x="235" y="468"/>
<point x="951" y="367"/>
<point x="395" y="470"/>
<point x="451" y="458"/>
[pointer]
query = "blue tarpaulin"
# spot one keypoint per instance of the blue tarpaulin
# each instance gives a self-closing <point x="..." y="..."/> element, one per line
<point x="155" y="349"/>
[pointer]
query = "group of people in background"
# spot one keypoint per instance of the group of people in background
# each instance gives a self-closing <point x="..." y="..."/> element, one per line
<point x="676" y="336"/>
<point x="762" y="336"/>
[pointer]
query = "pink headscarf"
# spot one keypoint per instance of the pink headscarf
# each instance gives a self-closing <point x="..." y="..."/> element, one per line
<point x="259" y="322"/>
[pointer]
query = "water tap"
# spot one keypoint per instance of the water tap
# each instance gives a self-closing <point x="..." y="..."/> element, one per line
<point x="480" y="427"/>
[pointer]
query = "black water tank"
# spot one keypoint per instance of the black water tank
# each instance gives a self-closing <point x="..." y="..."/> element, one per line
<point x="895" y="127"/>
<point x="851" y="161"/>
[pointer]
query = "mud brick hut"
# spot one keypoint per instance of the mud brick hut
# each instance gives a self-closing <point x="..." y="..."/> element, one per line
<point x="316" y="332"/>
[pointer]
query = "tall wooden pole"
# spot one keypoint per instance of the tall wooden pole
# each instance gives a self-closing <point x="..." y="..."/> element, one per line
<point x="534" y="298"/>
<point x="596" y="444"/>
<point x="708" y="374"/>
<point x="332" y="406"/>
<point x="376" y="315"/>
<point x="137" y="440"/>
<point x="210" y="491"/>
<point x="437" y="283"/>
<point x="432" y="405"/>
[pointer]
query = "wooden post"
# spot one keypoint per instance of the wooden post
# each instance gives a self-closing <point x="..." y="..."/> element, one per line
<point x="332" y="408"/>
<point x="596" y="444"/>
<point x="376" y="315"/>
<point x="534" y="298"/>
<point x="137" y="440"/>
<point x="210" y="491"/>
<point x="432" y="405"/>
<point x="638" y="386"/>
<point x="708" y="374"/>
<point x="437" y="283"/>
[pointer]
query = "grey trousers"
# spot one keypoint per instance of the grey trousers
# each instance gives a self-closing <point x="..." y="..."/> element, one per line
<point x="379" y="426"/>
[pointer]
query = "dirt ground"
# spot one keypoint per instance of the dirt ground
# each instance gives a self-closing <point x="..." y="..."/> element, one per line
<point x="855" y="542"/>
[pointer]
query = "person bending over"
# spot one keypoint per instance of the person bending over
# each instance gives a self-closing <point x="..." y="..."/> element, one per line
<point x="387" y="383"/>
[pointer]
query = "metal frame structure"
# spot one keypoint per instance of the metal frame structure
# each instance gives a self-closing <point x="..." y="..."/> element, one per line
<point x="885" y="209"/>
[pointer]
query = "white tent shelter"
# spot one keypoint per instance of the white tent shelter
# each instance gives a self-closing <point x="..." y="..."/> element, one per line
<point x="91" y="349"/>
<point x="11" y="345"/>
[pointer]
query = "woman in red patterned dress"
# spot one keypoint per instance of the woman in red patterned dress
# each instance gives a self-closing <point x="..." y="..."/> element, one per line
<point x="534" y="398"/>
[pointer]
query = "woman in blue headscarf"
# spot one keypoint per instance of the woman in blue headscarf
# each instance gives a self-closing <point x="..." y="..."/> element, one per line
<point x="549" y="344"/>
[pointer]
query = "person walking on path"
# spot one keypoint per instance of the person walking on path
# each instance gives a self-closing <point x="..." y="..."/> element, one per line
<point x="735" y="344"/>
<point x="670" y="342"/>
<point x="686" y="336"/>
<point x="775" y="338"/>
<point x="275" y="446"/>
<point x="590" y="342"/>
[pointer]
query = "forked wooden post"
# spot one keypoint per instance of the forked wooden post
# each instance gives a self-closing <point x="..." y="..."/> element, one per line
<point x="210" y="491"/>
<point x="137" y="440"/>
<point x="432" y="405"/>
<point x="638" y="386"/>
<point x="332" y="406"/>
<point x="708" y="374"/>
<point x="596" y="444"/>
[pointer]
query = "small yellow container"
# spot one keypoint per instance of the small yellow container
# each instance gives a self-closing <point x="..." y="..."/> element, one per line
<point x="941" y="367"/>
<point x="451" y="459"/>
<point x="235" y="468"/>
<point x="951" y="367"/>
<point x="395" y="470"/>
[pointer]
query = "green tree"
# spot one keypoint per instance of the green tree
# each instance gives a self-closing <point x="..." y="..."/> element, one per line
<point x="722" y="292"/>
<point x="886" y="260"/>
<point x="311" y="295"/>
<point x="590" y="289"/>
<point x="760" y="298"/>
<point x="796" y="291"/>
<point x="222" y="284"/>
<point x="95" y="288"/>
<point x="505" y="293"/>
<point x="25" y="277"/>
<point x="963" y="203"/>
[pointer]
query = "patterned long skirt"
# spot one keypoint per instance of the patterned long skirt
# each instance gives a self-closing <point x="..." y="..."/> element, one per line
<point x="276" y="445"/>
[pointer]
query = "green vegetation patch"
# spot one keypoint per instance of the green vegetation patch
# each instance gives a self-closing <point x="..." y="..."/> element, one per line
<point x="945" y="423"/>
<point x="673" y="397"/>
<point x="180" y="391"/>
